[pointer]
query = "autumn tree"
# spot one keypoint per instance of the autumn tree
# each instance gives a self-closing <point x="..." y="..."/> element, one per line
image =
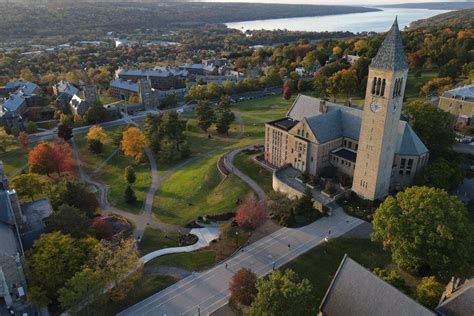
<point x="205" y="115"/>
<point x="133" y="143"/>
<point x="283" y="294"/>
<point x="52" y="261"/>
<point x="28" y="185"/>
<point x="73" y="193"/>
<point x="64" y="132"/>
<point x="98" y="133"/>
<point x="6" y="140"/>
<point x="129" y="175"/>
<point x="343" y="82"/>
<point x="286" y="93"/>
<point x="437" y="86"/>
<point x="101" y="228"/>
<point x="242" y="286"/>
<point x="23" y="140"/>
<point x="46" y="158"/>
<point x="70" y="221"/>
<point x="397" y="224"/>
<point x="429" y="291"/>
<point x="251" y="213"/>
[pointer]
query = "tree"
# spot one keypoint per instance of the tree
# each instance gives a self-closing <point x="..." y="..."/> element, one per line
<point x="70" y="221"/>
<point x="205" y="115"/>
<point x="432" y="125"/>
<point x="344" y="81"/>
<point x="251" y="213"/>
<point x="225" y="117"/>
<point x="281" y="208"/>
<point x="96" y="114"/>
<point x="133" y="143"/>
<point x="305" y="205"/>
<point x="97" y="133"/>
<point x="64" y="132"/>
<point x="73" y="193"/>
<point x="425" y="228"/>
<point x="283" y="294"/>
<point x="23" y="140"/>
<point x="129" y="195"/>
<point x="242" y="286"/>
<point x="437" y="86"/>
<point x="83" y="287"/>
<point x="52" y="261"/>
<point x="441" y="174"/>
<point x="46" y="158"/>
<point x="286" y="93"/>
<point x="101" y="228"/>
<point x="31" y="128"/>
<point x="429" y="291"/>
<point x="27" y="75"/>
<point x="27" y="185"/>
<point x="95" y="146"/>
<point x="6" y="140"/>
<point x="130" y="176"/>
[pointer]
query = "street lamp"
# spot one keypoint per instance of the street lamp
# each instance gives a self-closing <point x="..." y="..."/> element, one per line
<point x="236" y="239"/>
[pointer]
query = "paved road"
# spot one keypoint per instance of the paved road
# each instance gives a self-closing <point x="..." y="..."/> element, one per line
<point x="228" y="161"/>
<point x="206" y="292"/>
<point x="464" y="148"/>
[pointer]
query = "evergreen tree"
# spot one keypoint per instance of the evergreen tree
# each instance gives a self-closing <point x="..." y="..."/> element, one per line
<point x="129" y="195"/>
<point x="205" y="115"/>
<point x="225" y="117"/>
<point x="305" y="203"/>
<point x="130" y="176"/>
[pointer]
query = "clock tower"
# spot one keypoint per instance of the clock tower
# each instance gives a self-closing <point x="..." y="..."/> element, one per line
<point x="379" y="135"/>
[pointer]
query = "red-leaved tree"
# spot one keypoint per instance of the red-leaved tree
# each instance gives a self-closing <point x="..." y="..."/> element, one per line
<point x="242" y="286"/>
<point x="46" y="158"/>
<point x="251" y="213"/>
<point x="101" y="228"/>
<point x="287" y="93"/>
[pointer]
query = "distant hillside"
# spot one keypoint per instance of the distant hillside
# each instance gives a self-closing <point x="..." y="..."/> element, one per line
<point x="432" y="5"/>
<point x="24" y="21"/>
<point x="461" y="18"/>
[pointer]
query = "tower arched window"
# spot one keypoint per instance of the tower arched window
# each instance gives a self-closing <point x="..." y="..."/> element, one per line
<point x="379" y="84"/>
<point x="382" y="92"/>
<point x="374" y="81"/>
<point x="400" y="87"/>
<point x="395" y="88"/>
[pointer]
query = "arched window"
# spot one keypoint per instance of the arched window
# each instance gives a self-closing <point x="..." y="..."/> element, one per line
<point x="400" y="87"/>
<point x="383" y="88"/>
<point x="373" y="85"/>
<point x="379" y="84"/>
<point x="395" y="88"/>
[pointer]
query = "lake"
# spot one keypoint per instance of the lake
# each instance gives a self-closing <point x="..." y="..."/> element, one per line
<point x="379" y="21"/>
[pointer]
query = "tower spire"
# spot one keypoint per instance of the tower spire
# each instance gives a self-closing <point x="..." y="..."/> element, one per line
<point x="391" y="55"/>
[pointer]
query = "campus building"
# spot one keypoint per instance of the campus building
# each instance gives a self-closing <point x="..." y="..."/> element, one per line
<point x="459" y="102"/>
<point x="161" y="78"/>
<point x="373" y="146"/>
<point x="15" y="97"/>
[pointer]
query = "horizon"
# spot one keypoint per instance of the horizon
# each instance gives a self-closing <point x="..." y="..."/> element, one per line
<point x="333" y="2"/>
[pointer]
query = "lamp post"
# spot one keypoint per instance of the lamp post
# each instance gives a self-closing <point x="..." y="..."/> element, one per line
<point x="236" y="239"/>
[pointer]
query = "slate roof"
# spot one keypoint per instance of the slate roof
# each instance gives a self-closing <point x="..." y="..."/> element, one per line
<point x="356" y="291"/>
<point x="6" y="215"/>
<point x="284" y="123"/>
<point x="67" y="88"/>
<point x="124" y="84"/>
<point x="344" y="121"/>
<point x="156" y="72"/>
<point x="460" y="303"/>
<point x="466" y="92"/>
<point x="9" y="245"/>
<point x="13" y="102"/>
<point x="391" y="55"/>
<point x="345" y="154"/>
<point x="24" y="88"/>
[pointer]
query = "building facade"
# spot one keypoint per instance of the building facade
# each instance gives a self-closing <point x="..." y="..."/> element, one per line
<point x="459" y="103"/>
<point x="373" y="146"/>
<point x="161" y="78"/>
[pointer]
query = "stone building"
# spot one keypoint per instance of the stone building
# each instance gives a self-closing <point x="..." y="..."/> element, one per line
<point x="459" y="102"/>
<point x="161" y="78"/>
<point x="15" y="97"/>
<point x="123" y="89"/>
<point x="372" y="145"/>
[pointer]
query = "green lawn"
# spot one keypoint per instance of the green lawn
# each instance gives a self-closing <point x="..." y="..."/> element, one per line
<point x="191" y="261"/>
<point x="262" y="110"/>
<point x="14" y="160"/>
<point x="112" y="173"/>
<point x="197" y="190"/>
<point x="106" y="99"/>
<point x="413" y="85"/>
<point x="245" y="163"/>
<point x="319" y="267"/>
<point x="143" y="288"/>
<point x="155" y="239"/>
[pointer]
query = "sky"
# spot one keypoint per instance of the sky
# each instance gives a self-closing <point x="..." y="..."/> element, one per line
<point x="340" y="2"/>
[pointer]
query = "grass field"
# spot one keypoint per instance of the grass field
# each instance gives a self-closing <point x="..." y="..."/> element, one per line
<point x="154" y="239"/>
<point x="14" y="160"/>
<point x="191" y="261"/>
<point x="263" y="110"/>
<point x="247" y="165"/>
<point x="319" y="267"/>
<point x="413" y="85"/>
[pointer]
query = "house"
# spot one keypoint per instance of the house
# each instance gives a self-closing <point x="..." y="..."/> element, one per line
<point x="64" y="92"/>
<point x="161" y="78"/>
<point x="79" y="105"/>
<point x="457" y="299"/>
<point x="459" y="103"/>
<point x="354" y="290"/>
<point x="17" y="96"/>
<point x="351" y="59"/>
<point x="373" y="146"/>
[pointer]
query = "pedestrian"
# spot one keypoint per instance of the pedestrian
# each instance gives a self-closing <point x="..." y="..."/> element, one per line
<point x="226" y="265"/>
<point x="273" y="265"/>
<point x="289" y="246"/>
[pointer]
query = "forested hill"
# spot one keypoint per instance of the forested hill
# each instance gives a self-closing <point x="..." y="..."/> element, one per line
<point x="27" y="20"/>
<point x="433" y="5"/>
<point x="461" y="19"/>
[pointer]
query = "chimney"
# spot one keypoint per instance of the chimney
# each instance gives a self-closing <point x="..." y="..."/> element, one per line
<point x="323" y="108"/>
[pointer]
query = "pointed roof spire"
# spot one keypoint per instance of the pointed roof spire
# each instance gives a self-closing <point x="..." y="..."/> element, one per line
<point x="391" y="55"/>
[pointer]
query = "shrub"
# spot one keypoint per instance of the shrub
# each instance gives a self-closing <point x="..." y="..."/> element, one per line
<point x="242" y="286"/>
<point x="329" y="188"/>
<point x="428" y="292"/>
<point x="95" y="146"/>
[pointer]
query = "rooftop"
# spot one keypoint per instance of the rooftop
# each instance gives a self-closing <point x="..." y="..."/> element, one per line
<point x="354" y="290"/>
<point x="460" y="302"/>
<point x="155" y="72"/>
<point x="466" y="93"/>
<point x="284" y="123"/>
<point x="345" y="154"/>
<point x="391" y="55"/>
<point x="124" y="84"/>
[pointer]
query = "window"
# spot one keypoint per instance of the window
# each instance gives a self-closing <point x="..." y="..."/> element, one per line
<point x="402" y="165"/>
<point x="307" y="135"/>
<point x="311" y="159"/>
<point x="373" y="85"/>
<point x="383" y="88"/>
<point x="400" y="172"/>
<point x="408" y="172"/>
<point x="379" y="85"/>
<point x="357" y="146"/>
<point x="410" y="163"/>
<point x="350" y="145"/>
<point x="344" y="143"/>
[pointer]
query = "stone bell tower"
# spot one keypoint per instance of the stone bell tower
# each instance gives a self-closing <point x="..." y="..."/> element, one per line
<point x="380" y="120"/>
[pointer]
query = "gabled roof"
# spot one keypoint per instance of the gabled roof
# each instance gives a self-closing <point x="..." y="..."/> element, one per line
<point x="66" y="88"/>
<point x="155" y="72"/>
<point x="124" y="84"/>
<point x="305" y="106"/>
<point x="13" y="102"/>
<point x="465" y="92"/>
<point x="6" y="214"/>
<point x="24" y="88"/>
<point x="409" y="143"/>
<point x="390" y="55"/>
<point x="356" y="291"/>
<point x="460" y="303"/>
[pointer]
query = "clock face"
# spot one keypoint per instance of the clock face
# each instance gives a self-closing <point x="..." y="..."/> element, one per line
<point x="375" y="107"/>
<point x="394" y="106"/>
